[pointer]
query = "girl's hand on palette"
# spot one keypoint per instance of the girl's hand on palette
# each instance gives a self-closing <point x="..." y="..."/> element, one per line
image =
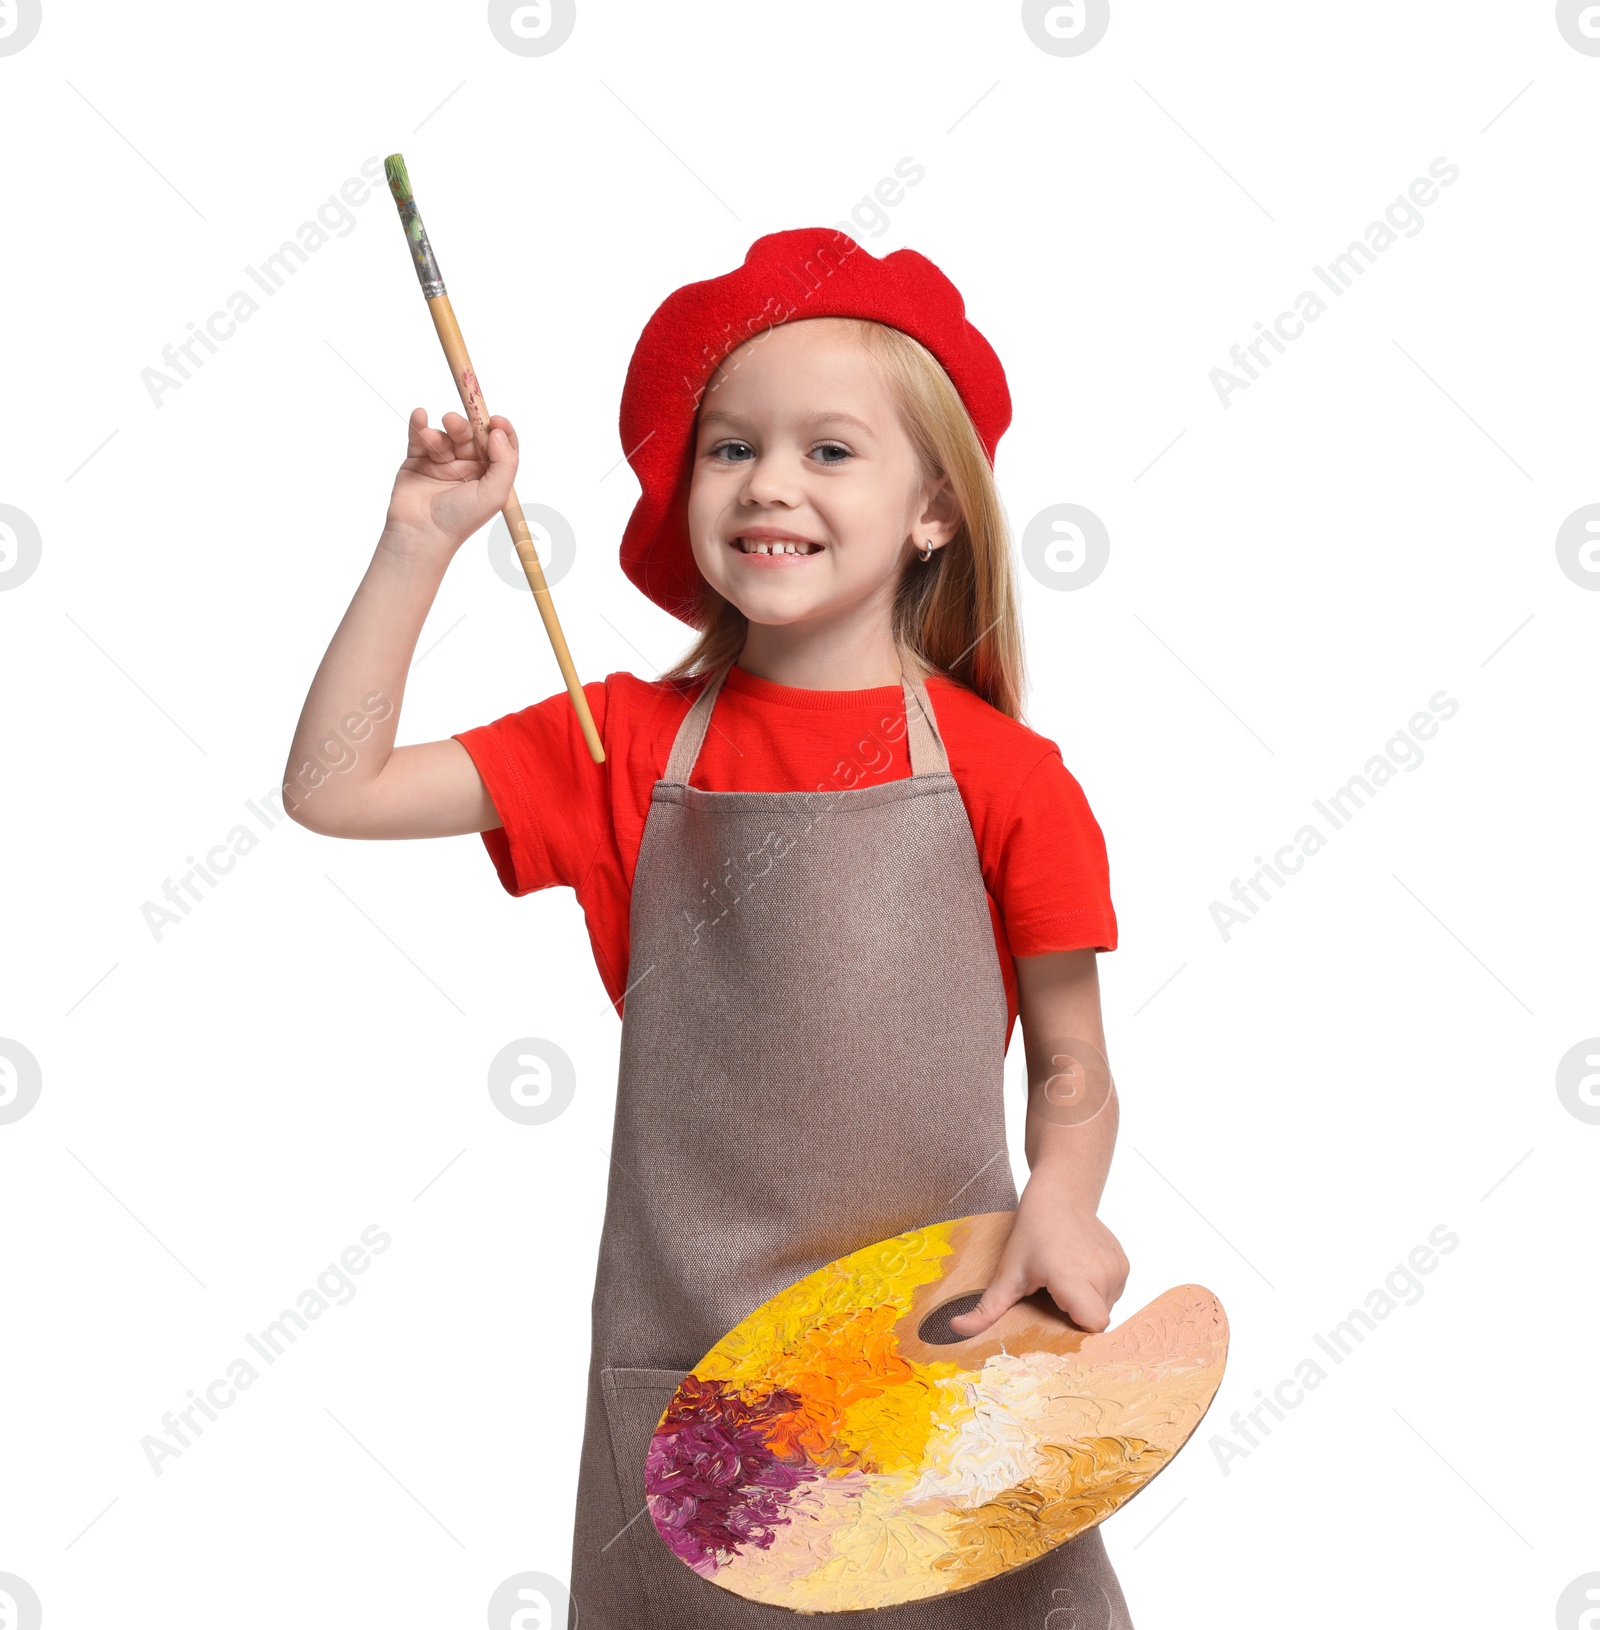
<point x="446" y="490"/>
<point x="1058" y="1247"/>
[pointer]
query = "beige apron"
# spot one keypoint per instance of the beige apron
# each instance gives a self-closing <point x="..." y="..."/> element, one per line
<point x="813" y="1051"/>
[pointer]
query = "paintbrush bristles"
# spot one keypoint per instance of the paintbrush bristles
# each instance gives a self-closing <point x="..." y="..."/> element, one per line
<point x="394" y="167"/>
<point x="422" y="256"/>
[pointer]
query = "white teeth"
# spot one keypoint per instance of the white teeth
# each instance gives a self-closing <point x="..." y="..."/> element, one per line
<point x="779" y="546"/>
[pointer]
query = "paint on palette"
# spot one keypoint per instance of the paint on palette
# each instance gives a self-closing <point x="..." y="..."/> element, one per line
<point x="811" y="1463"/>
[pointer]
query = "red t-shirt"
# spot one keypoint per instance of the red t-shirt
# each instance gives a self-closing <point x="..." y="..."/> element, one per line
<point x="567" y="820"/>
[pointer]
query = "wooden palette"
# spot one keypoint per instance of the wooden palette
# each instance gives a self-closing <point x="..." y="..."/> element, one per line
<point x="842" y="1448"/>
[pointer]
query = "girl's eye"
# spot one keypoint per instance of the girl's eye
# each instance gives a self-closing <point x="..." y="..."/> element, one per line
<point x="834" y="452"/>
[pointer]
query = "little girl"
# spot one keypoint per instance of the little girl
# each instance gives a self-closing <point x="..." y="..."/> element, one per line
<point x="824" y="866"/>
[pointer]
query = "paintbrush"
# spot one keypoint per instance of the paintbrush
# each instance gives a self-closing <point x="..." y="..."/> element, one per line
<point x="455" y="349"/>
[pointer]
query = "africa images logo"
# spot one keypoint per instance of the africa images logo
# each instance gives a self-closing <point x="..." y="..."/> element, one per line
<point x="1402" y="218"/>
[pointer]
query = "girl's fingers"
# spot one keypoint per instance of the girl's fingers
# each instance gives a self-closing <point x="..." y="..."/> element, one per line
<point x="441" y="448"/>
<point x="495" y="484"/>
<point x="1005" y="1290"/>
<point x="436" y="447"/>
<point x="1079" y="1299"/>
<point x="453" y="444"/>
<point x="460" y="432"/>
<point x="422" y="440"/>
<point x="1081" y="1303"/>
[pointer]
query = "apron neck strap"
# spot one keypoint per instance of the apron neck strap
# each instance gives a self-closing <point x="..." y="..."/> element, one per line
<point x="927" y="749"/>
<point x="927" y="746"/>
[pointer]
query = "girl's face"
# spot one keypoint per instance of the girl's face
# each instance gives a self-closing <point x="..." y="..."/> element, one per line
<point x="799" y="450"/>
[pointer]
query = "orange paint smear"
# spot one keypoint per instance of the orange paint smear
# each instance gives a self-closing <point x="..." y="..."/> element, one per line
<point x="840" y="1362"/>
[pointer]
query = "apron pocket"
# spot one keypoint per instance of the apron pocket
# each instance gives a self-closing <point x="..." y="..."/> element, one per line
<point x="635" y="1400"/>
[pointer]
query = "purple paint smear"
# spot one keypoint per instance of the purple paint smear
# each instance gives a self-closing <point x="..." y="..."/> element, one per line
<point x="713" y="1483"/>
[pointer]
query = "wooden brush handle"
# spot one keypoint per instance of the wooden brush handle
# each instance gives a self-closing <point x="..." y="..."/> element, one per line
<point x="455" y="348"/>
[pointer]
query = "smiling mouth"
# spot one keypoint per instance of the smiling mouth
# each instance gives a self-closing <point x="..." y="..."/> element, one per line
<point x="775" y="546"/>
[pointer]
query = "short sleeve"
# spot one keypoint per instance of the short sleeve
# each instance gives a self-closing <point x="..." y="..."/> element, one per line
<point x="1054" y="888"/>
<point x="542" y="782"/>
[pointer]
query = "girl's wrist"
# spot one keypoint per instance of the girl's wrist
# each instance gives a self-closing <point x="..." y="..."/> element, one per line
<point x="1064" y="1186"/>
<point x="414" y="551"/>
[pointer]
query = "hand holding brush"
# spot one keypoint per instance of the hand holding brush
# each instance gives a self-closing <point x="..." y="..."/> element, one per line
<point x="478" y="427"/>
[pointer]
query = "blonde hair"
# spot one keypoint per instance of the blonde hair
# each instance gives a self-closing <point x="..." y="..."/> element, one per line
<point x="957" y="613"/>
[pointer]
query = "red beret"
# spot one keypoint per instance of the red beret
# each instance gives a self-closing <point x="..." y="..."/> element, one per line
<point x="786" y="276"/>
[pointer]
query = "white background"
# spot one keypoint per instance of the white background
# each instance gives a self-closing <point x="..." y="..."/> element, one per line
<point x="1373" y="521"/>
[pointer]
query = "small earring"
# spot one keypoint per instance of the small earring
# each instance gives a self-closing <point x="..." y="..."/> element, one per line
<point x="925" y="554"/>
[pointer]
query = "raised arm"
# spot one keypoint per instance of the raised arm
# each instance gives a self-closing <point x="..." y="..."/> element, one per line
<point x="345" y="777"/>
